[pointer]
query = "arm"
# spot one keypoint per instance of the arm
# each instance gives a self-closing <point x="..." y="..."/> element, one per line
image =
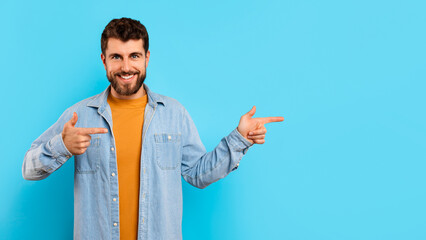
<point x="55" y="146"/>
<point x="199" y="168"/>
<point x="47" y="152"/>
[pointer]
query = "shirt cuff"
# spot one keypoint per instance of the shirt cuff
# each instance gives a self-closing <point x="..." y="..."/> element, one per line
<point x="238" y="142"/>
<point x="59" y="152"/>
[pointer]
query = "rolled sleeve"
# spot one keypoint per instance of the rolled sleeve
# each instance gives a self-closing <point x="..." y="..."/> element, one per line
<point x="238" y="142"/>
<point x="59" y="152"/>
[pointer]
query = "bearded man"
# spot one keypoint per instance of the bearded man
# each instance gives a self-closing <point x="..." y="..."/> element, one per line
<point x="131" y="147"/>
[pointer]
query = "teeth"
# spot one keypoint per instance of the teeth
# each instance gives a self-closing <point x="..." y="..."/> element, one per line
<point x="128" y="77"/>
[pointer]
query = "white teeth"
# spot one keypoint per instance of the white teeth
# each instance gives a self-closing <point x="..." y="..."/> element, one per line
<point x="128" y="77"/>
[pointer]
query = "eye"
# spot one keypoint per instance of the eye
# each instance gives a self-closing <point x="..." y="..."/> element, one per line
<point x="134" y="56"/>
<point x="115" y="57"/>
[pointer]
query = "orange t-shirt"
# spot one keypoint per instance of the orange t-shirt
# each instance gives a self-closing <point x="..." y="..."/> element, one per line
<point x="127" y="121"/>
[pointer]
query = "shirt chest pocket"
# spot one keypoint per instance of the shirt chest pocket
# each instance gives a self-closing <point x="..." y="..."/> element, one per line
<point x="88" y="162"/>
<point x="167" y="150"/>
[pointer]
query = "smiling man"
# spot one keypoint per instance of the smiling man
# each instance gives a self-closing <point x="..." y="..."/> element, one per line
<point x="131" y="147"/>
<point x="126" y="71"/>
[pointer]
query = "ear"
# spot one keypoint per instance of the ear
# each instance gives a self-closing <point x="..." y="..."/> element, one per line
<point x="103" y="60"/>
<point x="148" y="53"/>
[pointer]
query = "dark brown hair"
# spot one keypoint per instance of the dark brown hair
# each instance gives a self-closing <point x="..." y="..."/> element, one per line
<point x="124" y="29"/>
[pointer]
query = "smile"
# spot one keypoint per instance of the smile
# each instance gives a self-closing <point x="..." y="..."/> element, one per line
<point x="126" y="77"/>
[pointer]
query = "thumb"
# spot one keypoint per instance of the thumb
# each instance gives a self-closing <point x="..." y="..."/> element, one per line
<point x="73" y="119"/>
<point x="251" y="112"/>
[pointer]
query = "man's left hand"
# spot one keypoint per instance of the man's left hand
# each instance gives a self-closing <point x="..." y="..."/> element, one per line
<point x="253" y="129"/>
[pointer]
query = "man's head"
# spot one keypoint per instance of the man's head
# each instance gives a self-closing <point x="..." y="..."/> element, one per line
<point x="124" y="29"/>
<point x="125" y="56"/>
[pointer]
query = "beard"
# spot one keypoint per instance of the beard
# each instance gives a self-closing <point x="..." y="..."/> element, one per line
<point x="127" y="89"/>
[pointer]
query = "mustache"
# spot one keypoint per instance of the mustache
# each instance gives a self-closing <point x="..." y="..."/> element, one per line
<point x="126" y="73"/>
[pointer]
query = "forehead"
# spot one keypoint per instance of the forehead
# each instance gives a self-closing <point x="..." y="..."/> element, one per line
<point x="117" y="46"/>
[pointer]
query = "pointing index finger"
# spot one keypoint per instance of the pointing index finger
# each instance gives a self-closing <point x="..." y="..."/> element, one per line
<point x="92" y="130"/>
<point x="271" y="119"/>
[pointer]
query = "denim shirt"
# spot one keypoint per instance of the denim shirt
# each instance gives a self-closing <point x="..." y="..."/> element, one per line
<point x="171" y="148"/>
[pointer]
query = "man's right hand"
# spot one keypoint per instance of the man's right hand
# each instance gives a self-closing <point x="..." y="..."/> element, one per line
<point x="77" y="140"/>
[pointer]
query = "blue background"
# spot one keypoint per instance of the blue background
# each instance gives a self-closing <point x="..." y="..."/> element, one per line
<point x="348" y="76"/>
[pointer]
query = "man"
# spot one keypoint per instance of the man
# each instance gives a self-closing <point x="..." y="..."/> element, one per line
<point x="131" y="146"/>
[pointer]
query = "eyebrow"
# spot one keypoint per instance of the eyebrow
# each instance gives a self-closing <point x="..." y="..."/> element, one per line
<point x="139" y="53"/>
<point x="133" y="53"/>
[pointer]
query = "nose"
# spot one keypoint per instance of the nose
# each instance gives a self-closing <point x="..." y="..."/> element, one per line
<point x="125" y="66"/>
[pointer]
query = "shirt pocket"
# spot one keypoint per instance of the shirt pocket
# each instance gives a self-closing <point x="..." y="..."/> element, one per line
<point x="167" y="150"/>
<point x="88" y="162"/>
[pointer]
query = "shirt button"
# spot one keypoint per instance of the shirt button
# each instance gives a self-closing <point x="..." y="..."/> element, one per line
<point x="113" y="174"/>
<point x="115" y="224"/>
<point x="143" y="196"/>
<point x="143" y="220"/>
<point x="112" y="149"/>
<point x="169" y="137"/>
<point x="114" y="199"/>
<point x="144" y="170"/>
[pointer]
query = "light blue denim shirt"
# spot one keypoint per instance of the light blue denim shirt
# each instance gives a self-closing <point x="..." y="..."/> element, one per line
<point x="171" y="148"/>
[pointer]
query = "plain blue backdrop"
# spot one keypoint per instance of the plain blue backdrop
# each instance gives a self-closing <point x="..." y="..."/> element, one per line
<point x="348" y="162"/>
